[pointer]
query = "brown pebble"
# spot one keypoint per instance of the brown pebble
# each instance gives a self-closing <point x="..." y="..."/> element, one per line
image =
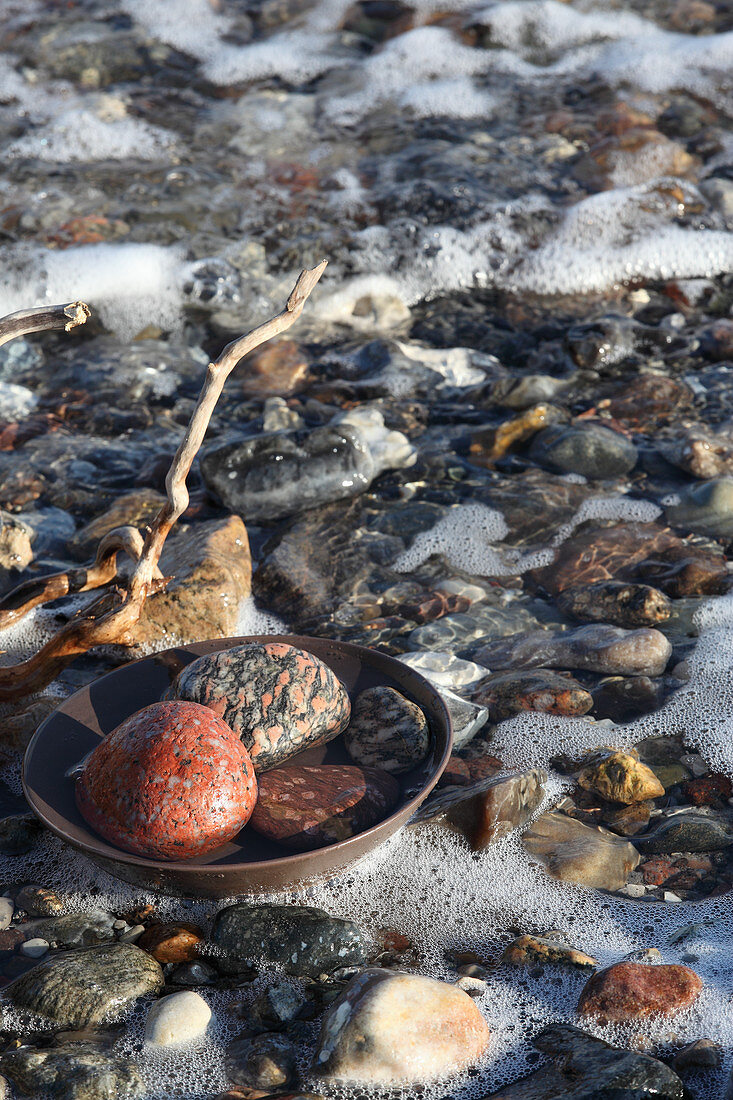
<point x="175" y="942"/>
<point x="633" y="991"/>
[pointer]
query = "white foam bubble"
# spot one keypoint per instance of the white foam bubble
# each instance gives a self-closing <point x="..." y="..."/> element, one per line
<point x="465" y="536"/>
<point x="79" y="134"/>
<point x="130" y="286"/>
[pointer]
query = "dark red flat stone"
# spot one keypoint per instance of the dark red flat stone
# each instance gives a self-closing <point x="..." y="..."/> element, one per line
<point x="310" y="807"/>
<point x="279" y="699"/>
<point x="171" y="782"/>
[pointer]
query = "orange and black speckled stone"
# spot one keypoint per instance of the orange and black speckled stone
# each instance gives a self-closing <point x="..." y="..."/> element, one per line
<point x="309" y="807"/>
<point x="279" y="699"/>
<point x="171" y="782"/>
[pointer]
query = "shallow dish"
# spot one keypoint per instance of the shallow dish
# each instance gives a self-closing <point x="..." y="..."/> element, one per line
<point x="249" y="864"/>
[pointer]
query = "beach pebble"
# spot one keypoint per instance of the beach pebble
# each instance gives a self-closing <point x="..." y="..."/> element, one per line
<point x="597" y="648"/>
<point x="171" y="782"/>
<point x="35" y="948"/>
<point x="37" y="901"/>
<point x="86" y="986"/>
<point x="550" y="948"/>
<point x="618" y="777"/>
<point x="298" y="938"/>
<point x="309" y="807"/>
<point x="177" y="1019"/>
<point x="588" y="449"/>
<point x="574" y="852"/>
<point x="632" y="991"/>
<point x="278" y="699"/>
<point x="487" y="811"/>
<point x="7" y="908"/>
<point x="263" y="1062"/>
<point x="508" y="693"/>
<point x="387" y="731"/>
<point x="173" y="942"/>
<point x="388" y="1029"/>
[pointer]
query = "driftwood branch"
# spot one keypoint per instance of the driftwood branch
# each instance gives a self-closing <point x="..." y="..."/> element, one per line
<point x="47" y="317"/>
<point x="112" y="617"/>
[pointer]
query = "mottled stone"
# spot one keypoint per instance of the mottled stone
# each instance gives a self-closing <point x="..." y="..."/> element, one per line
<point x="618" y="777"/>
<point x="597" y="648"/>
<point x="627" y="820"/>
<point x="37" y="901"/>
<point x="303" y="940"/>
<point x="399" y="1029"/>
<point x="280" y="367"/>
<point x="708" y="790"/>
<point x="687" y="831"/>
<point x="277" y="1005"/>
<point x="263" y="1062"/>
<point x="626" y="605"/>
<point x="172" y="942"/>
<point x="700" y="453"/>
<point x="387" y="730"/>
<point x="487" y="811"/>
<point x="573" y="852"/>
<point x="176" y="1020"/>
<point x="74" y="929"/>
<point x="587" y="449"/>
<point x="508" y="693"/>
<point x="588" y="1068"/>
<point x="86" y="986"/>
<point x="309" y="807"/>
<point x="82" y="1070"/>
<point x="633" y="991"/>
<point x="171" y="782"/>
<point x="278" y="699"/>
<point x="549" y="948"/>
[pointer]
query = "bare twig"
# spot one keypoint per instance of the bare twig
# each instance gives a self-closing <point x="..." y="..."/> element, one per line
<point x="112" y="618"/>
<point x="47" y="317"/>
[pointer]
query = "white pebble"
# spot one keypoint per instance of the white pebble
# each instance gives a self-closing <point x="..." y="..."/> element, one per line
<point x="177" y="1019"/>
<point x="669" y="896"/>
<point x="6" y="912"/>
<point x="475" y="987"/>
<point x="34" y="949"/>
<point x="635" y="890"/>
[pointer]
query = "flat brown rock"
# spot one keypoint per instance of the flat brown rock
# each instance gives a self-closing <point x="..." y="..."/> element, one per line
<point x="136" y="509"/>
<point x="632" y="991"/>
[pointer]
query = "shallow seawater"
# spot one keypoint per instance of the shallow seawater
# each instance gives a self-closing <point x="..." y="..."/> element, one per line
<point x="527" y="208"/>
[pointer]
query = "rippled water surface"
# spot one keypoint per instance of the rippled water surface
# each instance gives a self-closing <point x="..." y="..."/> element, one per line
<point x="520" y="364"/>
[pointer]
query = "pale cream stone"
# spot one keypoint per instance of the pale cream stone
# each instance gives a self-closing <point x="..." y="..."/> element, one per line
<point x="177" y="1019"/>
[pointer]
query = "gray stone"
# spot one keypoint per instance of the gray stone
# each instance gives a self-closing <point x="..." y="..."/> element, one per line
<point x="706" y="508"/>
<point x="73" y="1071"/>
<point x="687" y="831"/>
<point x="573" y="852"/>
<point x="83" y="987"/>
<point x="277" y="1006"/>
<point x="18" y="834"/>
<point x="589" y="1069"/>
<point x="719" y="192"/>
<point x="467" y="718"/>
<point x="590" y="450"/>
<point x="264" y="1062"/>
<point x="7" y="908"/>
<point x="301" y="939"/>
<point x="74" y="929"/>
<point x="387" y="730"/>
<point x="597" y="648"/>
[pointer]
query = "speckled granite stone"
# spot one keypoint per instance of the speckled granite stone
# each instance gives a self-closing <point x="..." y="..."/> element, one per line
<point x="171" y="782"/>
<point x="279" y="699"/>
<point x="87" y="986"/>
<point x="387" y="730"/>
<point x="309" y="807"/>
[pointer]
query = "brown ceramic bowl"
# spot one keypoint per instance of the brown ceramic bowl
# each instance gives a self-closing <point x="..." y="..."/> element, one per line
<point x="250" y="864"/>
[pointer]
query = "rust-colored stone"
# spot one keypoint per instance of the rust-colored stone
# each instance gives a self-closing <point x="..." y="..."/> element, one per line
<point x="633" y="991"/>
<point x="708" y="790"/>
<point x="173" y="942"/>
<point x="275" y="370"/>
<point x="656" y="871"/>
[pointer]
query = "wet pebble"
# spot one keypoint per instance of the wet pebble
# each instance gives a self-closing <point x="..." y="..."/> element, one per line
<point x="548" y="948"/>
<point x="85" y="986"/>
<point x="369" y="1037"/>
<point x="574" y="852"/>
<point x="633" y="991"/>
<point x="592" y="451"/>
<point x="73" y="1071"/>
<point x="267" y="1061"/>
<point x="37" y="901"/>
<point x="608" y="649"/>
<point x="618" y="777"/>
<point x="627" y="605"/>
<point x="387" y="730"/>
<point x="687" y="831"/>
<point x="706" y="508"/>
<point x="487" y="811"/>
<point x="279" y="699"/>
<point x="277" y="1005"/>
<point x="300" y="939"/>
<point x="507" y="693"/>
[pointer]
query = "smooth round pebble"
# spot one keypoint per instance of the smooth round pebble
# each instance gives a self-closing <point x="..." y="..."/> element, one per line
<point x="177" y="1019"/>
<point x="171" y="782"/>
<point x="35" y="948"/>
<point x="278" y="699"/>
<point x="387" y="731"/>
<point x="7" y="908"/>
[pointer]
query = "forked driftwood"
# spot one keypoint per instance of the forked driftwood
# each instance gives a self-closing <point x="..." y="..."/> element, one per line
<point x="110" y="619"/>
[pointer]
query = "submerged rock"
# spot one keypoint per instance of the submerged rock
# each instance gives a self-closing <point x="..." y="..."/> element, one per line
<point x="87" y="986"/>
<point x="387" y="731"/>
<point x="487" y="811"/>
<point x="574" y="852"/>
<point x="608" y="649"/>
<point x="587" y="449"/>
<point x="688" y="831"/>
<point x="633" y="991"/>
<point x="706" y="508"/>
<point x="278" y="699"/>
<point x="308" y="807"/>
<point x="626" y="605"/>
<point x="399" y="1029"/>
<point x="262" y="1062"/>
<point x="508" y="693"/>
<point x="302" y="940"/>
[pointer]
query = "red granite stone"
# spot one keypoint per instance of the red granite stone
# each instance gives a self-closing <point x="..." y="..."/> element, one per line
<point x="171" y="782"/>
<point x="632" y="991"/>
<point x="656" y="871"/>
<point x="456" y="773"/>
<point x="308" y="807"/>
<point x="708" y="790"/>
